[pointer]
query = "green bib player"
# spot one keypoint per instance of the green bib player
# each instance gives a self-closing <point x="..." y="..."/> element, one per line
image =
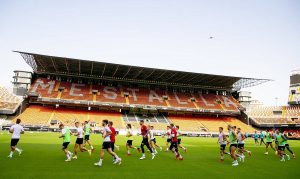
<point x="87" y="132"/>
<point x="269" y="141"/>
<point x="66" y="135"/>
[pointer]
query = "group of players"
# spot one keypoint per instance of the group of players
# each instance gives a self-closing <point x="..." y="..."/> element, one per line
<point x="236" y="141"/>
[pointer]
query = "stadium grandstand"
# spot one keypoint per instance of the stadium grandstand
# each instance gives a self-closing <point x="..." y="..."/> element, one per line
<point x="9" y="102"/>
<point x="65" y="90"/>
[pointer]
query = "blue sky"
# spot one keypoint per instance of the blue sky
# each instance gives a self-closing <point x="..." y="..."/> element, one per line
<point x="253" y="38"/>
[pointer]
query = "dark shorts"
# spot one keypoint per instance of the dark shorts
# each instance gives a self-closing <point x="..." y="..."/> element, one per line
<point x="233" y="145"/>
<point x="168" y="140"/>
<point x="179" y="141"/>
<point x="65" y="145"/>
<point x="281" y="148"/>
<point x="14" y="142"/>
<point x="106" y="145"/>
<point x="269" y="142"/>
<point x="222" y="146"/>
<point x="240" y="146"/>
<point x="145" y="141"/>
<point x="112" y="145"/>
<point x="79" y="141"/>
<point x="153" y="140"/>
<point x="87" y="137"/>
<point x="173" y="145"/>
<point x="287" y="145"/>
<point x="255" y="139"/>
<point x="261" y="139"/>
<point x="129" y="142"/>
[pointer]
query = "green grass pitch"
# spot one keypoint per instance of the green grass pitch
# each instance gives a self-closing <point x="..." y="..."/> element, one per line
<point x="42" y="158"/>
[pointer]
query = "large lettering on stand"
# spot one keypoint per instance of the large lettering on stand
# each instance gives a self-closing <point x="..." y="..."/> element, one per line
<point x="110" y="92"/>
<point x="154" y="96"/>
<point x="40" y="83"/>
<point x="76" y="91"/>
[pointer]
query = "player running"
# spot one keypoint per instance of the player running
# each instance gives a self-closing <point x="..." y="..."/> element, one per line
<point x="232" y="140"/>
<point x="255" y="136"/>
<point x="16" y="130"/>
<point x="269" y="140"/>
<point x="145" y="141"/>
<point x="106" y="145"/>
<point x="87" y="132"/>
<point x="287" y="146"/>
<point x="113" y="137"/>
<point x="281" y="146"/>
<point x="174" y="142"/>
<point x="179" y="134"/>
<point x="153" y="140"/>
<point x="168" y="134"/>
<point x="222" y="140"/>
<point x="262" y="137"/>
<point x="241" y="144"/>
<point x="79" y="141"/>
<point x="129" y="135"/>
<point x="66" y="135"/>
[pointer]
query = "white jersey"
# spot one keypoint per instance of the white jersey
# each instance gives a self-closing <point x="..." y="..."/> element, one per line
<point x="151" y="133"/>
<point x="79" y="132"/>
<point x="17" y="130"/>
<point x="221" y="139"/>
<point x="106" y="130"/>
<point x="240" y="138"/>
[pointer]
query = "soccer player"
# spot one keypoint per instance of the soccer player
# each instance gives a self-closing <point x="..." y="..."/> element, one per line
<point x="66" y="135"/>
<point x="87" y="132"/>
<point x="241" y="144"/>
<point x="269" y="140"/>
<point x="179" y="139"/>
<point x="281" y="146"/>
<point x="232" y="140"/>
<point x="113" y="137"/>
<point x="255" y="136"/>
<point x="16" y="130"/>
<point x="287" y="146"/>
<point x="129" y="135"/>
<point x="168" y="134"/>
<point x="153" y="140"/>
<point x="174" y="142"/>
<point x="145" y="141"/>
<point x="79" y="141"/>
<point x="222" y="141"/>
<point x="262" y="137"/>
<point x="106" y="145"/>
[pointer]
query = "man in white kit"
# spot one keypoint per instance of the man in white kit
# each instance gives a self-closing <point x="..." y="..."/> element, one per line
<point x="16" y="131"/>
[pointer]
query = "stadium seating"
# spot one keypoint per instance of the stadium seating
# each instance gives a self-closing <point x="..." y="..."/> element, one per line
<point x="275" y="114"/>
<point x="143" y="96"/>
<point x="8" y="101"/>
<point x="36" y="115"/>
<point x="209" y="124"/>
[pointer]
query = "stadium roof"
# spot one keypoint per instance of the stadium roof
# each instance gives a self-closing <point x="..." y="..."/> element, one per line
<point x="45" y="64"/>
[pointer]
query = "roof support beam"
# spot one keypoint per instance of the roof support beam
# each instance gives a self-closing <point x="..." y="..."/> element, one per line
<point x="149" y="74"/>
<point x="54" y="64"/>
<point x="79" y="70"/>
<point x="138" y="73"/>
<point x="160" y="75"/>
<point x="92" y="68"/>
<point x="103" y="69"/>
<point x="171" y="77"/>
<point x="67" y="67"/>
<point x="115" y="71"/>
<point x="127" y="72"/>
